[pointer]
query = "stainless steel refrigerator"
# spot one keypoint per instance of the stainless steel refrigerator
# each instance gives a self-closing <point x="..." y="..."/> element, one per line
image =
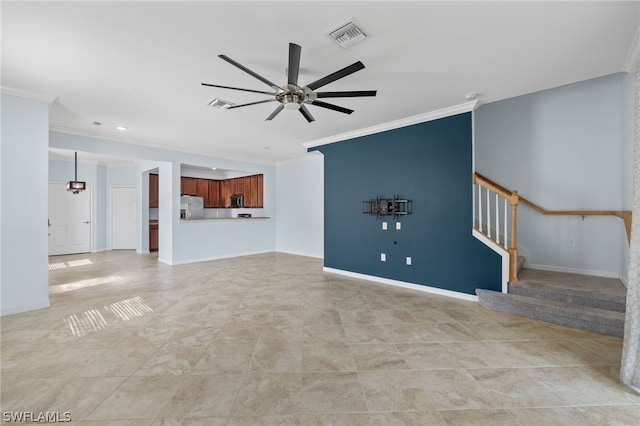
<point x="191" y="207"/>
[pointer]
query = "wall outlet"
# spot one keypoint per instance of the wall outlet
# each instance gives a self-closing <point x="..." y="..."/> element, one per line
<point x="571" y="243"/>
<point x="383" y="257"/>
<point x="398" y="226"/>
<point x="384" y="226"/>
<point x="408" y="260"/>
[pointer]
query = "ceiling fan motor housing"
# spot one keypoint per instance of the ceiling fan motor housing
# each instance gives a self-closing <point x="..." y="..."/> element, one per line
<point x="291" y="97"/>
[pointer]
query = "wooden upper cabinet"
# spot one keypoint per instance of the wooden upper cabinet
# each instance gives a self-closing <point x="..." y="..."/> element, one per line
<point x="213" y="201"/>
<point x="202" y="189"/>
<point x="153" y="191"/>
<point x="259" y="189"/>
<point x="217" y="193"/>
<point x="225" y="193"/>
<point x="188" y="186"/>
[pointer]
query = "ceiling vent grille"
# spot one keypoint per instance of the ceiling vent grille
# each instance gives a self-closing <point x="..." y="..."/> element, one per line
<point x="219" y="103"/>
<point x="348" y="34"/>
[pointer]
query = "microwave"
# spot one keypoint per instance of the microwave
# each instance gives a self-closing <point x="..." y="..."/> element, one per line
<point x="237" y="201"/>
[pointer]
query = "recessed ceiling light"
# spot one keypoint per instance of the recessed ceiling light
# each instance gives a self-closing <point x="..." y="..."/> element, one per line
<point x="121" y="128"/>
<point x="213" y="168"/>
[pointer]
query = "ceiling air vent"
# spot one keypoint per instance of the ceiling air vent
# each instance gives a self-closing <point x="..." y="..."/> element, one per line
<point x="219" y="103"/>
<point x="348" y="34"/>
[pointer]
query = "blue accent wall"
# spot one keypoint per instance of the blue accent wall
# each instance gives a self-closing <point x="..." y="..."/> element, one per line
<point x="429" y="163"/>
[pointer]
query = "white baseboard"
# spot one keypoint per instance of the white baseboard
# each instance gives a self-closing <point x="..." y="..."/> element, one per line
<point x="99" y="250"/>
<point x="593" y="273"/>
<point x="300" y="254"/>
<point x="207" y="259"/>
<point x="625" y="281"/>
<point x="24" y="308"/>
<point x="419" y="287"/>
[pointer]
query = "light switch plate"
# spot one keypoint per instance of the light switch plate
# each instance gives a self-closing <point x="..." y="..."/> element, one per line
<point x="408" y="260"/>
<point x="398" y="226"/>
<point x="384" y="226"/>
<point x="383" y="257"/>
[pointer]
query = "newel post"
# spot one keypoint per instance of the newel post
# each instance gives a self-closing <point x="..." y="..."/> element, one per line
<point x="513" y="248"/>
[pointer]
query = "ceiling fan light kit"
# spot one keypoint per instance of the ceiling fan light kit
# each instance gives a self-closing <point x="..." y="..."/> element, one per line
<point x="293" y="96"/>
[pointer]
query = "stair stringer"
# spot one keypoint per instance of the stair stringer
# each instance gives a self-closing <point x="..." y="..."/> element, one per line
<point x="502" y="252"/>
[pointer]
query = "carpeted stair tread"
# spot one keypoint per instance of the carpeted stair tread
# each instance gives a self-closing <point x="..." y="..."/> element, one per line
<point x="595" y="292"/>
<point x="582" y="317"/>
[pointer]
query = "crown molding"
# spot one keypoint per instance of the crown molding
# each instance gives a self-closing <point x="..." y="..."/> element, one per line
<point x="403" y="122"/>
<point x="305" y="157"/>
<point x="34" y="96"/>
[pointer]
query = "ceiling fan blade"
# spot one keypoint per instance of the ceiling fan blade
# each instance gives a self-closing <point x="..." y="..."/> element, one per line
<point x="248" y="71"/>
<point x="238" y="88"/>
<point x="336" y="75"/>
<point x="305" y="112"/>
<point x="350" y="94"/>
<point x="294" y="63"/>
<point x="332" y="107"/>
<point x="275" y="112"/>
<point x="252" y="103"/>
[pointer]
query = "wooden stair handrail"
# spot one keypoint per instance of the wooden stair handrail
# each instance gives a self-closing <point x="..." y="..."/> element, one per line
<point x="501" y="190"/>
<point x="514" y="199"/>
<point x="493" y="186"/>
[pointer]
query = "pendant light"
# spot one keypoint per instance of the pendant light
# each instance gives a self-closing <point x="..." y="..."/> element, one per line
<point x="76" y="186"/>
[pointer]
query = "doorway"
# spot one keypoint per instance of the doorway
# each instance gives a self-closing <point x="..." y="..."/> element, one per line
<point x="123" y="218"/>
<point x="69" y="220"/>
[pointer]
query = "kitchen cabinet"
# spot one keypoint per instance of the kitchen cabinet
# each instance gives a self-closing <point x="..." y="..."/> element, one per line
<point x="213" y="200"/>
<point x="153" y="237"/>
<point x="202" y="189"/>
<point x="188" y="186"/>
<point x="251" y="188"/>
<point x="227" y="188"/>
<point x="255" y="191"/>
<point x="153" y="190"/>
<point x="217" y="193"/>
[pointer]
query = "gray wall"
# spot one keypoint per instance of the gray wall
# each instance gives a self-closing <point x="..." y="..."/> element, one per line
<point x="564" y="149"/>
<point x="300" y="206"/>
<point x="24" y="280"/>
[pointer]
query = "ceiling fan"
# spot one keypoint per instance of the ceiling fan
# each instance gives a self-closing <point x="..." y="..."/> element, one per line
<point x="293" y="96"/>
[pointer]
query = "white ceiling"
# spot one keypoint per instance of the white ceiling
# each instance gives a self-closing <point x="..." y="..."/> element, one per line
<point x="140" y="64"/>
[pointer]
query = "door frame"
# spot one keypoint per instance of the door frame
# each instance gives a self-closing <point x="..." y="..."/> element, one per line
<point x="89" y="190"/>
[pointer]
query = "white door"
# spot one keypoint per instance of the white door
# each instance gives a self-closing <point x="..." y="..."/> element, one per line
<point x="69" y="220"/>
<point x="123" y="218"/>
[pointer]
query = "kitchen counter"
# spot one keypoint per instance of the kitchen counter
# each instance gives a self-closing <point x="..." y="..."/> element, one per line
<point x="214" y="219"/>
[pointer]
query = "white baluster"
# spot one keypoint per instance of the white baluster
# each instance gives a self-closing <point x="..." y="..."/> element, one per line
<point x="506" y="243"/>
<point x="488" y="213"/>
<point x="480" y="208"/>
<point x="473" y="204"/>
<point x="497" y="220"/>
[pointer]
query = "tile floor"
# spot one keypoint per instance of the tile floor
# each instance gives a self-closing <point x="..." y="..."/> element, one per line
<point x="271" y="339"/>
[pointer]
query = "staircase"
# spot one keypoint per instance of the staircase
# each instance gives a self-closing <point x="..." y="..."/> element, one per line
<point x="579" y="301"/>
